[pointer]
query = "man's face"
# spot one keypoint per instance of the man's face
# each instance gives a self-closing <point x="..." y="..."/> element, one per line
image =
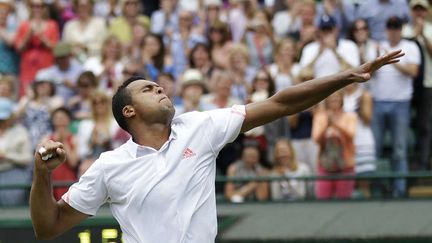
<point x="63" y="62"/>
<point x="419" y="12"/>
<point x="394" y="35"/>
<point x="150" y="103"/>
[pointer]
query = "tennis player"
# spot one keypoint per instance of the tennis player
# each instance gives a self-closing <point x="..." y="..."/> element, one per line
<point x="160" y="183"/>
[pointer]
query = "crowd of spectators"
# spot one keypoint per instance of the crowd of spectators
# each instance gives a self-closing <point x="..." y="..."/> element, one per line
<point x="62" y="60"/>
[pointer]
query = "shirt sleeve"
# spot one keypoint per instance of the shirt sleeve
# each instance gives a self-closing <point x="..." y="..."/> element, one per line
<point x="225" y="125"/>
<point x="413" y="56"/>
<point x="90" y="192"/>
<point x="351" y="55"/>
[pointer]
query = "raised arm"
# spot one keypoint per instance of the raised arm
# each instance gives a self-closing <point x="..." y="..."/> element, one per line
<point x="302" y="96"/>
<point x="50" y="218"/>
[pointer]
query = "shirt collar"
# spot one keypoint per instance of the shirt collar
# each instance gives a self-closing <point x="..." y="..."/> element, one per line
<point x="136" y="150"/>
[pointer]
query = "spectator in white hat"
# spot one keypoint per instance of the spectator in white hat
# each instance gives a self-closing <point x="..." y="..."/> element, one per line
<point x="192" y="89"/>
<point x="64" y="72"/>
<point x="34" y="109"/>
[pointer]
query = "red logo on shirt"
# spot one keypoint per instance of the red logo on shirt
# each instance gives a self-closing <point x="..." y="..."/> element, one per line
<point x="188" y="153"/>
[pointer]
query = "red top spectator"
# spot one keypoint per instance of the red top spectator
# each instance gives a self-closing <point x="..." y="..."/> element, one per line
<point x="35" y="40"/>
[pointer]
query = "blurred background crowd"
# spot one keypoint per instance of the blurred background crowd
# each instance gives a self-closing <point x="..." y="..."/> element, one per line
<point x="61" y="60"/>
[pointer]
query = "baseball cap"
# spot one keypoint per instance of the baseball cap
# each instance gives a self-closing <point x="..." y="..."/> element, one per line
<point x="394" y="23"/>
<point x="327" y="22"/>
<point x="6" y="108"/>
<point x="62" y="49"/>
<point x="422" y="3"/>
<point x="192" y="77"/>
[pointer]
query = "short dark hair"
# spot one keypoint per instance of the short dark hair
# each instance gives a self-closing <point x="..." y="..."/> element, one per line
<point x="88" y="76"/>
<point x="394" y="22"/>
<point x="165" y="74"/>
<point x="197" y="46"/>
<point x="121" y="99"/>
<point x="65" y="110"/>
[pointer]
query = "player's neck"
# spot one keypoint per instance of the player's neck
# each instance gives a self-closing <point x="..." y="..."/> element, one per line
<point x="152" y="136"/>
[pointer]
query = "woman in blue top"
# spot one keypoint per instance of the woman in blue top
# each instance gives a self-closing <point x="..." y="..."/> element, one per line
<point x="155" y="58"/>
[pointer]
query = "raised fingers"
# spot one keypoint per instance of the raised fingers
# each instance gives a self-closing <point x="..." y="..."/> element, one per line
<point x="393" y="55"/>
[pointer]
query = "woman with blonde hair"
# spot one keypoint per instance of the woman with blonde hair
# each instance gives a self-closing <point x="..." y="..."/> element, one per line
<point x="285" y="69"/>
<point x="286" y="164"/>
<point x="108" y="67"/>
<point x="334" y="130"/>
<point x="242" y="74"/>
<point x="95" y="135"/>
<point x="259" y="40"/>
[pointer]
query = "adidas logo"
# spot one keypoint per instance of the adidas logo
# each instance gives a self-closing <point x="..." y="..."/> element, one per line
<point x="188" y="153"/>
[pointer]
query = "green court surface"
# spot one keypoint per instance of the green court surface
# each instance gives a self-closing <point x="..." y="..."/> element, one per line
<point x="338" y="222"/>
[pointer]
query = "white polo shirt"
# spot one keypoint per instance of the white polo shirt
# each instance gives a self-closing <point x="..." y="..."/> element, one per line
<point x="388" y="83"/>
<point x="165" y="195"/>
<point x="328" y="63"/>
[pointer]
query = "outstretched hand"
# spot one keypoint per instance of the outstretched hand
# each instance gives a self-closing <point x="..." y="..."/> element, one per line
<point x="364" y="72"/>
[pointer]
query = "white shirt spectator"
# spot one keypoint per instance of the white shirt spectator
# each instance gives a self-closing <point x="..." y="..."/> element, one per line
<point x="283" y="23"/>
<point x="160" y="22"/>
<point x="60" y="76"/>
<point x="237" y="22"/>
<point x="327" y="63"/>
<point x="388" y="83"/>
<point x="283" y="80"/>
<point x="91" y="35"/>
<point x="165" y="195"/>
<point x="85" y="129"/>
<point x="95" y="65"/>
<point x="291" y="189"/>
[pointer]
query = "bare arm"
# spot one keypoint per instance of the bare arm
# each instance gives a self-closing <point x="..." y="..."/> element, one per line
<point x="428" y="44"/>
<point x="259" y="189"/>
<point x="50" y="218"/>
<point x="366" y="107"/>
<point x="262" y="191"/>
<point x="347" y="127"/>
<point x="299" y="97"/>
<point x="25" y="41"/>
<point x="408" y="69"/>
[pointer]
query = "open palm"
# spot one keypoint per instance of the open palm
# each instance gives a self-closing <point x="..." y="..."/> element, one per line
<point x="364" y="72"/>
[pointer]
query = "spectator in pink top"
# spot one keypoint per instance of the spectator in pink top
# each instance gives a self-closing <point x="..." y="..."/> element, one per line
<point x="334" y="130"/>
<point x="35" y="41"/>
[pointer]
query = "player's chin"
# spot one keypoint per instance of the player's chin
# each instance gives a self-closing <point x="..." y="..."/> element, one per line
<point x="169" y="110"/>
